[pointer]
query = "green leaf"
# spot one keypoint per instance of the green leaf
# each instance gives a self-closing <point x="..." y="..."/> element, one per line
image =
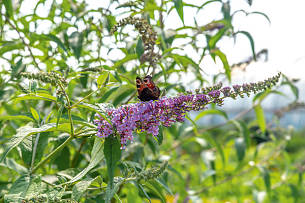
<point x="245" y="133"/>
<point x="259" y="112"/>
<point x="127" y="58"/>
<point x="160" y="135"/>
<point x="96" y="156"/>
<point x="293" y="88"/>
<point x="77" y="43"/>
<point x="262" y="95"/>
<point x="17" y="117"/>
<point x="35" y="114"/>
<point x="26" y="147"/>
<point x="56" y="40"/>
<point x="211" y="111"/>
<point x="225" y="63"/>
<point x="59" y="113"/>
<point x="18" y="189"/>
<point x="99" y="108"/>
<point x="22" y="133"/>
<point x="103" y="79"/>
<point x="240" y="148"/>
<point x="206" y="3"/>
<point x="112" y="154"/>
<point x="263" y="14"/>
<point x="164" y="185"/>
<point x="143" y="190"/>
<point x="79" y="188"/>
<point x="107" y="94"/>
<point x="110" y="22"/>
<point x="249" y="2"/>
<point x="84" y="80"/>
<point x="184" y="61"/>
<point x="155" y="187"/>
<point x="213" y="40"/>
<point x="110" y="192"/>
<point x="42" y="144"/>
<point x="248" y="35"/>
<point x="62" y="160"/>
<point x="119" y="99"/>
<point x="10" y="46"/>
<point x="266" y="177"/>
<point x="8" y="7"/>
<point x="38" y="96"/>
<point x="243" y="130"/>
<point x="24" y="187"/>
<point x="207" y="174"/>
<point x="11" y="164"/>
<point x="294" y="192"/>
<point x="133" y="194"/>
<point x="179" y="9"/>
<point x="139" y="47"/>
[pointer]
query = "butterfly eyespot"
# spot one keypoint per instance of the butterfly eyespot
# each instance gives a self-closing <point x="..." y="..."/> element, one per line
<point x="147" y="90"/>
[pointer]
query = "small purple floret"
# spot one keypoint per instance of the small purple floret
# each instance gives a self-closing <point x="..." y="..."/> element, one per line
<point x="148" y="116"/>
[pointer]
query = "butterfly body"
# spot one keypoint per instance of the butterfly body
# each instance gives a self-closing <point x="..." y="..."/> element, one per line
<point x="147" y="90"/>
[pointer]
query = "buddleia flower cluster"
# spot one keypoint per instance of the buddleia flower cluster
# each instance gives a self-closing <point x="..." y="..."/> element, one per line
<point x="47" y="77"/>
<point x="125" y="121"/>
<point x="148" y="36"/>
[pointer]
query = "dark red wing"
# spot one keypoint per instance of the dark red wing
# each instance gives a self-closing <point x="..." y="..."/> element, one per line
<point x="140" y="85"/>
<point x="147" y="90"/>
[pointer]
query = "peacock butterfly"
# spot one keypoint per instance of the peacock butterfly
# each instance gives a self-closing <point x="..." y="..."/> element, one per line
<point x="147" y="90"/>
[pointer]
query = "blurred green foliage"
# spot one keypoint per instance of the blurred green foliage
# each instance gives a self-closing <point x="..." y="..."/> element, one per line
<point x="49" y="151"/>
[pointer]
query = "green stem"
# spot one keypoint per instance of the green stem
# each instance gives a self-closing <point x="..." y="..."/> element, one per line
<point x="60" y="147"/>
<point x="74" y="105"/>
<point x="71" y="122"/>
<point x="68" y="108"/>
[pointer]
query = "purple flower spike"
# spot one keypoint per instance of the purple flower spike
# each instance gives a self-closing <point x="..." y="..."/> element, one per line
<point x="236" y="88"/>
<point x="226" y="91"/>
<point x="128" y="119"/>
<point x="214" y="94"/>
<point x="148" y="116"/>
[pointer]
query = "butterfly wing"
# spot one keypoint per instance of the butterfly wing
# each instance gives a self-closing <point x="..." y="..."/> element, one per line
<point x="147" y="90"/>
<point x="140" y="85"/>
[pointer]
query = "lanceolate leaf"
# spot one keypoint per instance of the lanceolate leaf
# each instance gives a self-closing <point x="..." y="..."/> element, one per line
<point x="102" y="79"/>
<point x="248" y="35"/>
<point x="38" y="96"/>
<point x="8" y="7"/>
<point x="213" y="40"/>
<point x="225" y="63"/>
<point x="22" y="133"/>
<point x="206" y="3"/>
<point x="127" y="58"/>
<point x="139" y="48"/>
<point x="179" y="9"/>
<point x="57" y="41"/>
<point x="240" y="147"/>
<point x="261" y="13"/>
<point x="10" y="46"/>
<point x="35" y="114"/>
<point x="25" y="186"/>
<point x="112" y="154"/>
<point x="211" y="111"/>
<point x="17" y="117"/>
<point x="96" y="156"/>
<point x="80" y="187"/>
<point x="266" y="177"/>
<point x="259" y="112"/>
<point x="11" y="164"/>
